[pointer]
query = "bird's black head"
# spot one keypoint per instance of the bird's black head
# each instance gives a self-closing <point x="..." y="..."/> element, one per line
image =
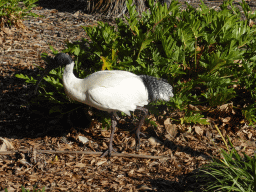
<point x="61" y="59"/>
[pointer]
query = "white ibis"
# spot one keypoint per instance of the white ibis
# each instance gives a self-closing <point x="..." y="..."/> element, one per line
<point x="112" y="91"/>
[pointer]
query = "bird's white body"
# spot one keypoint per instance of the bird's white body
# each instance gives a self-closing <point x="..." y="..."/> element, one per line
<point x="106" y="90"/>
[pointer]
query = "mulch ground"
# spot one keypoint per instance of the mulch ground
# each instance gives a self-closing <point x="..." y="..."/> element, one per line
<point x="40" y="151"/>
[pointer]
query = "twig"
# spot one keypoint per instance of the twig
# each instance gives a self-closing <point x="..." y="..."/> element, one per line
<point x="84" y="153"/>
<point x="17" y="50"/>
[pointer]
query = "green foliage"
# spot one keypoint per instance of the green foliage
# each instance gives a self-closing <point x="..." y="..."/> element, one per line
<point x="195" y="118"/>
<point x="26" y="78"/>
<point x="106" y="122"/>
<point x="250" y="113"/>
<point x="232" y="173"/>
<point x="208" y="56"/>
<point x="12" y="12"/>
<point x="34" y="189"/>
<point x="23" y="189"/>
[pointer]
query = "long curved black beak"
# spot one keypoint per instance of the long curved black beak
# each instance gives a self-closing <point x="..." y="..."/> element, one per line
<point x="46" y="72"/>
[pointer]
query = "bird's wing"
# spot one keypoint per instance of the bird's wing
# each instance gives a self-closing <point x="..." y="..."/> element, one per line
<point x="124" y="95"/>
<point x="107" y="78"/>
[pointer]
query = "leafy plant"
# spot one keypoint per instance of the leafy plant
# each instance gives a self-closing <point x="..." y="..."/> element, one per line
<point x="23" y="189"/>
<point x="195" y="118"/>
<point x="208" y="56"/>
<point x="12" y="12"/>
<point x="231" y="173"/>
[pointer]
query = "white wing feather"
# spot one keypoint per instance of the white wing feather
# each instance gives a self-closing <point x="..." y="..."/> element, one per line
<point x="115" y="91"/>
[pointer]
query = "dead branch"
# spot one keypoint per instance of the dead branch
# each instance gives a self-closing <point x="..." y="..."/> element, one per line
<point x="82" y="153"/>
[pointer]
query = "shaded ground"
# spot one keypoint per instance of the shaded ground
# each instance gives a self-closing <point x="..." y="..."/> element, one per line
<point x="181" y="148"/>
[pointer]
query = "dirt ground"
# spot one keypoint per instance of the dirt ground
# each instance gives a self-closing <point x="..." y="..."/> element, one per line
<point x="38" y="150"/>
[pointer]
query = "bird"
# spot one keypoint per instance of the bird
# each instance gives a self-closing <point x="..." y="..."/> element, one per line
<point x="112" y="91"/>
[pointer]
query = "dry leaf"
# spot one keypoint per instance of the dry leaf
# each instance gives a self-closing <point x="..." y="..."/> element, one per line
<point x="198" y="130"/>
<point x="140" y="170"/>
<point x="241" y="135"/>
<point x="133" y="142"/>
<point x="131" y="172"/>
<point x="104" y="145"/>
<point x="105" y="133"/>
<point x="80" y="165"/>
<point x="172" y="130"/>
<point x="225" y="120"/>
<point x="226" y="109"/>
<point x="76" y="14"/>
<point x="251" y="23"/>
<point x="154" y="141"/>
<point x="167" y="122"/>
<point x="5" y="144"/>
<point x="208" y="134"/>
<point x="249" y="135"/>
<point x="101" y="162"/>
<point x="93" y="161"/>
<point x="144" y="188"/>
<point x="83" y="139"/>
<point x="7" y="31"/>
<point x="3" y="147"/>
<point x="193" y="108"/>
<point x="24" y="162"/>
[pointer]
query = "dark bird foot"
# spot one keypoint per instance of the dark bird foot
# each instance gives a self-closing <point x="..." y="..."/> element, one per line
<point x="134" y="131"/>
<point x="108" y="152"/>
<point x="137" y="130"/>
<point x="110" y="147"/>
<point x="137" y="133"/>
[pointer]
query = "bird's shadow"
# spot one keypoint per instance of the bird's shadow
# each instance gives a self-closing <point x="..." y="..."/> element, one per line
<point x="175" y="147"/>
<point x="184" y="182"/>
<point x="19" y="118"/>
<point x="14" y="100"/>
<point x="193" y="181"/>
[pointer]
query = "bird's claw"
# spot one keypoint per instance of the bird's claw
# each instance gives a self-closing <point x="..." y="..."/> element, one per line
<point x="108" y="152"/>
<point x="137" y="137"/>
<point x="143" y="134"/>
<point x="138" y="134"/>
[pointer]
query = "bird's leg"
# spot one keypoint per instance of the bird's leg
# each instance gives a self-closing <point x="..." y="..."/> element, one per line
<point x="110" y="147"/>
<point x="137" y="130"/>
